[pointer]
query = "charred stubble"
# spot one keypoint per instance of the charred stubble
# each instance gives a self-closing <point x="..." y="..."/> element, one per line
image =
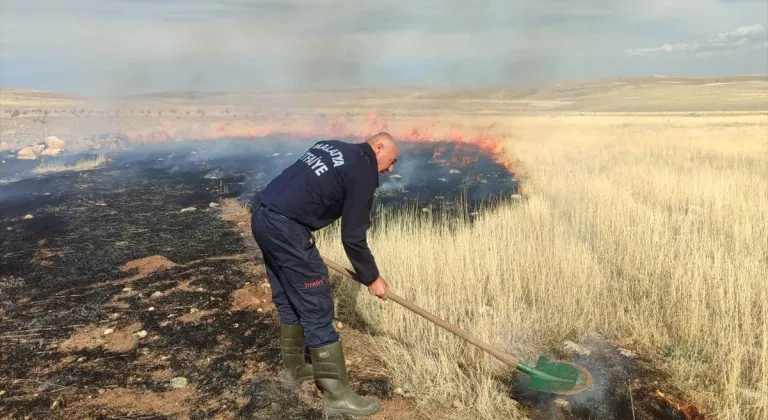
<point x="62" y="285"/>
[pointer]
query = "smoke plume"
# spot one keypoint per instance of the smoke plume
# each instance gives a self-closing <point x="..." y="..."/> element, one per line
<point x="120" y="47"/>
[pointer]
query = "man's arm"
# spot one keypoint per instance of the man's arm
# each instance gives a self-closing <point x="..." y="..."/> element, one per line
<point x="355" y="221"/>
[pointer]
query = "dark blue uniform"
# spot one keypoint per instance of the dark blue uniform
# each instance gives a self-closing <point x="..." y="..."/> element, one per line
<point x="332" y="180"/>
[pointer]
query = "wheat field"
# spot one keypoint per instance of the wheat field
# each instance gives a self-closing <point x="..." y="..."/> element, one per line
<point x="649" y="230"/>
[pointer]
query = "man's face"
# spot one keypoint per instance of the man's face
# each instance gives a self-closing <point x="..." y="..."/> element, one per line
<point x="386" y="158"/>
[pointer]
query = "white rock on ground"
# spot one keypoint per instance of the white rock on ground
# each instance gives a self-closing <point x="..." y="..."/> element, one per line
<point x="29" y="152"/>
<point x="50" y="152"/>
<point x="178" y="382"/>
<point x="53" y="142"/>
<point x="581" y="350"/>
<point x="627" y="353"/>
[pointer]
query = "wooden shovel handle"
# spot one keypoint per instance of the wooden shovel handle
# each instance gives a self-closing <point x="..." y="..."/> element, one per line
<point x="509" y="360"/>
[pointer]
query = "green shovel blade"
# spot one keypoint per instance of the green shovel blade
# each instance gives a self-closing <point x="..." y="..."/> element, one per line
<point x="557" y="377"/>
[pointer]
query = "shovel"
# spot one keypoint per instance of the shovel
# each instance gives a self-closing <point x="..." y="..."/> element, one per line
<point x="551" y="376"/>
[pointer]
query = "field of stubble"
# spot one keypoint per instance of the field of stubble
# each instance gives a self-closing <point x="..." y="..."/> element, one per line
<point x="649" y="231"/>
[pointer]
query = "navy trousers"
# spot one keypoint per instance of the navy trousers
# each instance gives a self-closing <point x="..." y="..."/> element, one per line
<point x="297" y="274"/>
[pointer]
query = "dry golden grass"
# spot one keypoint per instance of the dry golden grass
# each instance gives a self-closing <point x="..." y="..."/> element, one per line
<point x="84" y="164"/>
<point x="648" y="230"/>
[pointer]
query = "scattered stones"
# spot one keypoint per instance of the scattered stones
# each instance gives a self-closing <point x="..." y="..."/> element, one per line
<point x="151" y="308"/>
<point x="156" y="295"/>
<point x="114" y="316"/>
<point x="573" y="347"/>
<point x="81" y="359"/>
<point x="165" y="323"/>
<point x="454" y="171"/>
<point x="627" y="353"/>
<point x="141" y="334"/>
<point x="179" y="382"/>
<point x="109" y="331"/>
<point x="189" y="209"/>
<point x="28" y="216"/>
<point x="127" y="289"/>
<point x="339" y="325"/>
<point x="442" y="179"/>
<point x="213" y="205"/>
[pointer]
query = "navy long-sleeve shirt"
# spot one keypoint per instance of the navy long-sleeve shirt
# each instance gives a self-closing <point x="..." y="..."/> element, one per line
<point x="333" y="180"/>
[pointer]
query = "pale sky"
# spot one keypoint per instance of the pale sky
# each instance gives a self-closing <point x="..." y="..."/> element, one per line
<point x="107" y="47"/>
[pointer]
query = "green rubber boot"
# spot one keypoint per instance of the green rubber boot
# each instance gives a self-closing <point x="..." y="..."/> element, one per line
<point x="296" y="369"/>
<point x="331" y="375"/>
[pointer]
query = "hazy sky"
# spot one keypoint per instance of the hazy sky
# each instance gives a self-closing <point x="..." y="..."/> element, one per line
<point x="127" y="46"/>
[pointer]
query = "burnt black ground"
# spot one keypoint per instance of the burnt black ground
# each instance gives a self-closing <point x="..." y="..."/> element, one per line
<point x="91" y="223"/>
<point x="244" y="166"/>
<point x="139" y="217"/>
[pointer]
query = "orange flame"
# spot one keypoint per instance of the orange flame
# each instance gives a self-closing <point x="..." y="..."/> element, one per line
<point x="339" y="127"/>
<point x="689" y="410"/>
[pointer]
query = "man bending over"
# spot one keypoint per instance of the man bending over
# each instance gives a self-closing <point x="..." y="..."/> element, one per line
<point x="333" y="180"/>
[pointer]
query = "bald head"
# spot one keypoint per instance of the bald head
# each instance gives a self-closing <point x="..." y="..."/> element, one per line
<point x="385" y="148"/>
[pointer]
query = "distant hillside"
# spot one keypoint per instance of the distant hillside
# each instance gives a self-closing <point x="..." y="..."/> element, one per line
<point x="625" y="94"/>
